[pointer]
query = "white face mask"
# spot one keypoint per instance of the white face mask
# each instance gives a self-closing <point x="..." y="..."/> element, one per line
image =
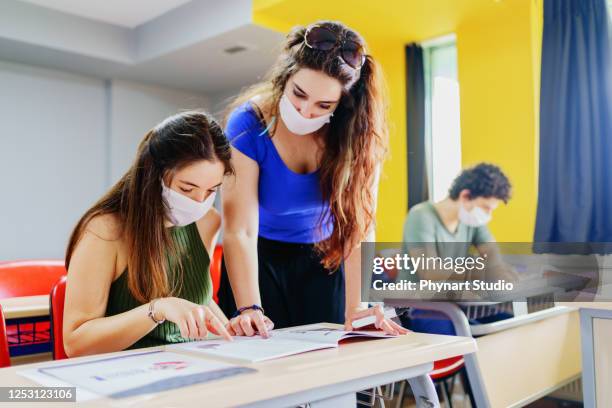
<point x="298" y="124"/>
<point x="475" y="218"/>
<point x="184" y="210"/>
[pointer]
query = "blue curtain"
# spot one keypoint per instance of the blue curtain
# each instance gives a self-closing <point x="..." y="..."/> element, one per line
<point x="418" y="190"/>
<point x="575" y="185"/>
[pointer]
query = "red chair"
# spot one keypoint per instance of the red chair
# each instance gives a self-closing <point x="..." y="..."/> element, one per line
<point x="56" y="306"/>
<point x="29" y="278"/>
<point x="444" y="371"/>
<point x="215" y="271"/>
<point x="5" y="359"/>
<point x="446" y="368"/>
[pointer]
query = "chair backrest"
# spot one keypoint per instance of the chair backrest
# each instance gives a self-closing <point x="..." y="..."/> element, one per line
<point x="447" y="367"/>
<point x="58" y="294"/>
<point x="5" y="360"/>
<point x="215" y="271"/>
<point x="29" y="277"/>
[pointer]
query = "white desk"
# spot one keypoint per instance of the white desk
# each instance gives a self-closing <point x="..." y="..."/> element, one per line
<point x="25" y="306"/>
<point x="325" y="378"/>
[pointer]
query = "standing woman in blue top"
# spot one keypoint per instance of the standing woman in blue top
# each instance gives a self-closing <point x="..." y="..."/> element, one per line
<point x="307" y="145"/>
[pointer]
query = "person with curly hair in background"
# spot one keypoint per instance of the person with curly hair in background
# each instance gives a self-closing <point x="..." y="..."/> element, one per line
<point x="450" y="227"/>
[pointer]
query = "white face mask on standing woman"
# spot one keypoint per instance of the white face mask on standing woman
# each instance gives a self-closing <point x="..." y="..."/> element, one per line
<point x="298" y="124"/>
<point x="182" y="209"/>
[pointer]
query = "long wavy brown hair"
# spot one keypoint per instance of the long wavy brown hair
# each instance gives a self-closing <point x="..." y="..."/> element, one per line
<point x="355" y="141"/>
<point x="136" y="199"/>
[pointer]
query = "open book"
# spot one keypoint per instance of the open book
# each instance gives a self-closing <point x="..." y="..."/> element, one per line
<point x="281" y="343"/>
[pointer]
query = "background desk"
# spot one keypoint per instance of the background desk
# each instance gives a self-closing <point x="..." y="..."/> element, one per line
<point x="26" y="306"/>
<point x="27" y="320"/>
<point x="326" y="378"/>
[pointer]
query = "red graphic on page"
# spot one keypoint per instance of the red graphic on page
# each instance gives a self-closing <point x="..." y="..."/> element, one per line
<point x="170" y="365"/>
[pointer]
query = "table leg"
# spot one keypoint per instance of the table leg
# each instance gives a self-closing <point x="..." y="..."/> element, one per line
<point x="424" y="392"/>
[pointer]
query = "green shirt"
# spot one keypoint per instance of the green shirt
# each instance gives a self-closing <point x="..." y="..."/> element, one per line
<point x="423" y="225"/>
<point x="196" y="286"/>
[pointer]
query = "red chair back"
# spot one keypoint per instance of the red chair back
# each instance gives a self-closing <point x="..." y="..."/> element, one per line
<point x="5" y="359"/>
<point x="447" y="367"/>
<point x="29" y="277"/>
<point x="215" y="271"/>
<point x="58" y="295"/>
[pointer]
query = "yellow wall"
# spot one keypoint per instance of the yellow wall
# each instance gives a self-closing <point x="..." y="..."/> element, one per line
<point x="498" y="110"/>
<point x="498" y="62"/>
<point x="392" y="192"/>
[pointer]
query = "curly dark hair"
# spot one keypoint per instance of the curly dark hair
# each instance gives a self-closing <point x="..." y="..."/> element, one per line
<point x="482" y="180"/>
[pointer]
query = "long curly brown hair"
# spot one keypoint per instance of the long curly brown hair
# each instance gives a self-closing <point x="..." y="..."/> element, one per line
<point x="356" y="140"/>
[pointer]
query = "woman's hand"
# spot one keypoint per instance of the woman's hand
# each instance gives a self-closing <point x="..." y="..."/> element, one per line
<point x="248" y="322"/>
<point x="381" y="323"/>
<point x="194" y="321"/>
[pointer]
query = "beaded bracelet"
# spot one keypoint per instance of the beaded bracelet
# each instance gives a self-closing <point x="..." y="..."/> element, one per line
<point x="252" y="307"/>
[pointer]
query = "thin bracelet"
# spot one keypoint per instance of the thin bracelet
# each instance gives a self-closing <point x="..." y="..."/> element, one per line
<point x="252" y="307"/>
<point x="151" y="313"/>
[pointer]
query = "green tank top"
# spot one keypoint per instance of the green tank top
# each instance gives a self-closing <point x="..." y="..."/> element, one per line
<point x="196" y="286"/>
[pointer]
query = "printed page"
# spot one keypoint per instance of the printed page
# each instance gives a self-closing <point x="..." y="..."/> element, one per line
<point x="254" y="349"/>
<point x="282" y="343"/>
<point x="141" y="373"/>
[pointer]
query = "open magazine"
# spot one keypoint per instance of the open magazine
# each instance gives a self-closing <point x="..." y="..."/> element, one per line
<point x="281" y="343"/>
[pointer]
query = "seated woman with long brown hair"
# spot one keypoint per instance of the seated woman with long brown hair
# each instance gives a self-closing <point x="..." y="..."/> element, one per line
<point x="138" y="260"/>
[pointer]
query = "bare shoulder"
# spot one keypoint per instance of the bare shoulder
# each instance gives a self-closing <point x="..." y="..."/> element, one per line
<point x="107" y="227"/>
<point x="98" y="249"/>
<point x="260" y="103"/>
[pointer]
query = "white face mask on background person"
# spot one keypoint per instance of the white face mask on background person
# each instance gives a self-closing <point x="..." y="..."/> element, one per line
<point x="182" y="209"/>
<point x="298" y="124"/>
<point x="476" y="217"/>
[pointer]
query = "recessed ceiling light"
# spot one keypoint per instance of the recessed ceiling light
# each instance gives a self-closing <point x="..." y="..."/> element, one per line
<point x="235" y="49"/>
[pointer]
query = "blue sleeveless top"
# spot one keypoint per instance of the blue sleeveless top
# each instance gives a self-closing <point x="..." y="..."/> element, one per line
<point x="290" y="203"/>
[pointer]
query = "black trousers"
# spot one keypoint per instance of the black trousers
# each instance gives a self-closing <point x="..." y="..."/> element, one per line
<point x="295" y="288"/>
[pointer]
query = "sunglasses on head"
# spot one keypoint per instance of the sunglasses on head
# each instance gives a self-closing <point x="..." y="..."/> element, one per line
<point x="320" y="38"/>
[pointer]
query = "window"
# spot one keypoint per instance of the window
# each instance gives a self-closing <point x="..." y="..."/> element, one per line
<point x="442" y="123"/>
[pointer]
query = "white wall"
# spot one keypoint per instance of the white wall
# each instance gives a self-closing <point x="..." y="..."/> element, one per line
<point x="64" y="139"/>
<point x="220" y="101"/>
<point x="52" y="157"/>
<point x="136" y="108"/>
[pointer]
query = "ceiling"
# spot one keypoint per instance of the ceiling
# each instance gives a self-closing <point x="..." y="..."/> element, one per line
<point x="175" y="43"/>
<point x="125" y="13"/>
<point x="180" y="43"/>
